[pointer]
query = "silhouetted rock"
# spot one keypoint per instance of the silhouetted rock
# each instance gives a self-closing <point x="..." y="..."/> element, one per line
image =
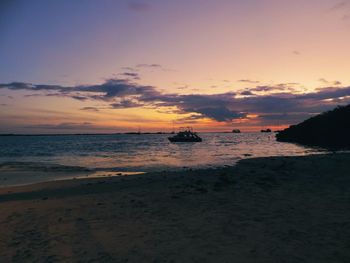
<point x="329" y="130"/>
<point x="236" y="131"/>
<point x="267" y="130"/>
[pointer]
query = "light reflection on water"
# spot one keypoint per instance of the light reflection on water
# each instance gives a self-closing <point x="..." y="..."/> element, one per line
<point x="146" y="152"/>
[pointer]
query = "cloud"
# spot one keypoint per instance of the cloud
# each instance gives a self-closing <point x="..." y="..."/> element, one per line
<point x="149" y="66"/>
<point x="153" y="66"/>
<point x="81" y="98"/>
<point x="90" y="109"/>
<point x="343" y="9"/>
<point x="285" y="117"/>
<point x="182" y="87"/>
<point x="116" y="88"/>
<point x="28" y="86"/>
<point x="129" y="69"/>
<point x="296" y="52"/>
<point x="327" y="93"/>
<point x="131" y="75"/>
<point x="194" y="118"/>
<point x="331" y="83"/>
<point x="323" y="81"/>
<point x="249" y="81"/>
<point x="247" y="93"/>
<point x="123" y="104"/>
<point x="282" y="87"/>
<point x="222" y="107"/>
<point x="266" y="88"/>
<point x="340" y="5"/>
<point x="146" y="66"/>
<point x="219" y="113"/>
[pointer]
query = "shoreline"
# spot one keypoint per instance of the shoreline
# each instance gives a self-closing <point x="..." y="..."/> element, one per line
<point x="271" y="209"/>
<point x="16" y="174"/>
<point x="84" y="176"/>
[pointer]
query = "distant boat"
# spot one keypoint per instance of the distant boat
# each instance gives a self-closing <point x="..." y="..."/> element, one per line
<point x="267" y="130"/>
<point x="236" y="131"/>
<point x="186" y="135"/>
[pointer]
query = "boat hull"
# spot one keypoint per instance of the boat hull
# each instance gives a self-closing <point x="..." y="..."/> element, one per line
<point x="172" y="139"/>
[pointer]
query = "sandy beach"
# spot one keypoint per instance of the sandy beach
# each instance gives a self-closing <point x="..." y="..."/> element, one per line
<point x="276" y="209"/>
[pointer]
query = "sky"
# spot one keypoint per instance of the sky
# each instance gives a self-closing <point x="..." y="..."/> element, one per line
<point x="106" y="66"/>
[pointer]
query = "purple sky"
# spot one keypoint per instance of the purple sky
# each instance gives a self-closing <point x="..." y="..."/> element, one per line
<point x="215" y="64"/>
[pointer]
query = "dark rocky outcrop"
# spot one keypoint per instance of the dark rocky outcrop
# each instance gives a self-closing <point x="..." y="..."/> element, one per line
<point x="330" y="129"/>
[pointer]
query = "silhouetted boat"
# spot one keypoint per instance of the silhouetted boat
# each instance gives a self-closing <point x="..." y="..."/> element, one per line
<point x="236" y="131"/>
<point x="267" y="130"/>
<point x="185" y="136"/>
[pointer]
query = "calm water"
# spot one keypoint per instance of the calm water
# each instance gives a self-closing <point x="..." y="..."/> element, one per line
<point x="143" y="152"/>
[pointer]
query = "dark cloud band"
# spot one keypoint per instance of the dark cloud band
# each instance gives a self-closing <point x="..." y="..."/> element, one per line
<point x="224" y="107"/>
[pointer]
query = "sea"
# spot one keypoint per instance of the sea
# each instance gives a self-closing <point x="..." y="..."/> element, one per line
<point x="134" y="153"/>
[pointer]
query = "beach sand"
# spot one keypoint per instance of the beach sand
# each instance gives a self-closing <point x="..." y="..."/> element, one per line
<point x="282" y="209"/>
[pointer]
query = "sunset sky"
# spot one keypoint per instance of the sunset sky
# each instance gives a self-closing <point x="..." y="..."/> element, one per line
<point x="117" y="65"/>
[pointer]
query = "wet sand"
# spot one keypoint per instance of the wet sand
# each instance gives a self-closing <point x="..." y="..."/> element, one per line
<point x="283" y="209"/>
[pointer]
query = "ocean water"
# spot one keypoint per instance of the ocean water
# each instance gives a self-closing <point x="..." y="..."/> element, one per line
<point x="143" y="153"/>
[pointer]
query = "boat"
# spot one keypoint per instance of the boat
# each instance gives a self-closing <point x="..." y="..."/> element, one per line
<point x="186" y="135"/>
<point x="267" y="130"/>
<point x="236" y="131"/>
